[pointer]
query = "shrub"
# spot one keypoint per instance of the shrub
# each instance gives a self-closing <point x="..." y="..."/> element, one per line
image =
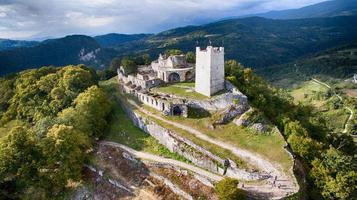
<point x="227" y="189"/>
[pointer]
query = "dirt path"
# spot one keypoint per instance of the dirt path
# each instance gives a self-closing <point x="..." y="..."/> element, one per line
<point x="341" y="99"/>
<point x="288" y="182"/>
<point x="147" y="156"/>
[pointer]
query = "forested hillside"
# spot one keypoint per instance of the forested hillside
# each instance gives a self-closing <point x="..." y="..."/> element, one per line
<point x="328" y="158"/>
<point x="255" y="42"/>
<point x="49" y="120"/>
<point x="76" y="49"/>
<point x="330" y="8"/>
<point x="115" y="40"/>
<point x="6" y="44"/>
<point x="339" y="62"/>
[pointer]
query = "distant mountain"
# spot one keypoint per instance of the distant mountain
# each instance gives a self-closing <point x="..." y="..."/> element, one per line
<point x="115" y="39"/>
<point x="324" y="9"/>
<point x="6" y="44"/>
<point x="255" y="42"/>
<point x="73" y="49"/>
<point x="339" y="62"/>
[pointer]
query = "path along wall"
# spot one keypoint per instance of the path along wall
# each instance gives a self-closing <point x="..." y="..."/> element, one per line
<point x="186" y="148"/>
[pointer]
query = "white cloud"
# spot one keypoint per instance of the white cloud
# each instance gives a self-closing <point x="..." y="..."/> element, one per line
<point x="41" y="18"/>
<point x="83" y="20"/>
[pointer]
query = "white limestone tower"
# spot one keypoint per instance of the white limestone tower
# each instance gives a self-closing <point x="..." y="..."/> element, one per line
<point x="209" y="70"/>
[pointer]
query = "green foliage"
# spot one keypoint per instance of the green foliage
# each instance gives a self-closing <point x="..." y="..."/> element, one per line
<point x="339" y="62"/>
<point x="335" y="174"/>
<point x="227" y="189"/>
<point x="89" y="113"/>
<point x="115" y="64"/>
<point x="18" y="156"/>
<point x="173" y="52"/>
<point x="142" y="59"/>
<point x="6" y="91"/>
<point x="306" y="133"/>
<point x="191" y="57"/>
<point x="66" y="110"/>
<point x="62" y="150"/>
<point x="45" y="91"/>
<point x="304" y="146"/>
<point x="128" y="65"/>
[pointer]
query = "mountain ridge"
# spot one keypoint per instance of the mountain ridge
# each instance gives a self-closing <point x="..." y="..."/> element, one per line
<point x="255" y="42"/>
<point x="323" y="9"/>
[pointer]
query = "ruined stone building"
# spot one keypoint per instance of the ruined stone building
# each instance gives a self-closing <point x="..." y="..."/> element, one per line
<point x="208" y="75"/>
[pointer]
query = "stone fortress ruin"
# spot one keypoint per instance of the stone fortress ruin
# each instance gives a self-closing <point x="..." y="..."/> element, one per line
<point x="208" y="74"/>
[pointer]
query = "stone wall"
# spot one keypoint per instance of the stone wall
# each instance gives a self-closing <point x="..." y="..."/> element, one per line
<point x="186" y="148"/>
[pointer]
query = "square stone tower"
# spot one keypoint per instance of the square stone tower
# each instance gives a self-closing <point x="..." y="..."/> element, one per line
<point x="209" y="70"/>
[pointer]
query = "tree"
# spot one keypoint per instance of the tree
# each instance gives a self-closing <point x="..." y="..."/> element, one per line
<point x="227" y="189"/>
<point x="63" y="150"/>
<point x="129" y="65"/>
<point x="173" y="52"/>
<point x="115" y="64"/>
<point x="18" y="157"/>
<point x="146" y="59"/>
<point x="304" y="146"/>
<point x="90" y="112"/>
<point x="335" y="174"/>
<point x="190" y="57"/>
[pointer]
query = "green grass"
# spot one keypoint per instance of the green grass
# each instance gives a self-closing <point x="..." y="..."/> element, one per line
<point x="270" y="145"/>
<point x="123" y="131"/>
<point x="181" y="89"/>
<point x="223" y="153"/>
<point x="311" y="92"/>
<point x="336" y="119"/>
<point x="267" y="145"/>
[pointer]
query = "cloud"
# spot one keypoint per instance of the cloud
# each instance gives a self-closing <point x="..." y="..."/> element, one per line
<point x="42" y="18"/>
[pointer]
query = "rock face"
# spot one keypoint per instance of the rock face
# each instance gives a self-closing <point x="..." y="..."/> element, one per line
<point x="230" y="113"/>
<point x="220" y="102"/>
<point x="259" y="127"/>
<point x="182" y="146"/>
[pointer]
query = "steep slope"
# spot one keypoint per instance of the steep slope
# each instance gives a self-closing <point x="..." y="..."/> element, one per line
<point x="340" y="62"/>
<point x="323" y="9"/>
<point x="114" y="39"/>
<point x="73" y="49"/>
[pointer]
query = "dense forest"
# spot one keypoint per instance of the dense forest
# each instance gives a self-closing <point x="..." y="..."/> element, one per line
<point x="50" y="118"/>
<point x="328" y="158"/>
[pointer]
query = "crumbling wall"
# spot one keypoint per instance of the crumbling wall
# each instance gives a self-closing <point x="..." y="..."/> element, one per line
<point x="186" y="148"/>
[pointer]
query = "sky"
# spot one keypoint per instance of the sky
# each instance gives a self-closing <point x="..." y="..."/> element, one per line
<point x="39" y="19"/>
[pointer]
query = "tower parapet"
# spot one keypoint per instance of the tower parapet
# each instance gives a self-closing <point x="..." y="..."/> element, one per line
<point x="209" y="70"/>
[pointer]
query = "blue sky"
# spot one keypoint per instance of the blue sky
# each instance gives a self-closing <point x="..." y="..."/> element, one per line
<point x="28" y="19"/>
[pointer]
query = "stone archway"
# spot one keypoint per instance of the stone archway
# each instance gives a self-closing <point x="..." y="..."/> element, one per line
<point x="188" y="76"/>
<point x="176" y="111"/>
<point x="174" y="77"/>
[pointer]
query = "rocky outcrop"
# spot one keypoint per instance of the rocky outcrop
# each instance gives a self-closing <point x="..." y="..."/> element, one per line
<point x="229" y="113"/>
<point x="186" y="148"/>
<point x="219" y="102"/>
